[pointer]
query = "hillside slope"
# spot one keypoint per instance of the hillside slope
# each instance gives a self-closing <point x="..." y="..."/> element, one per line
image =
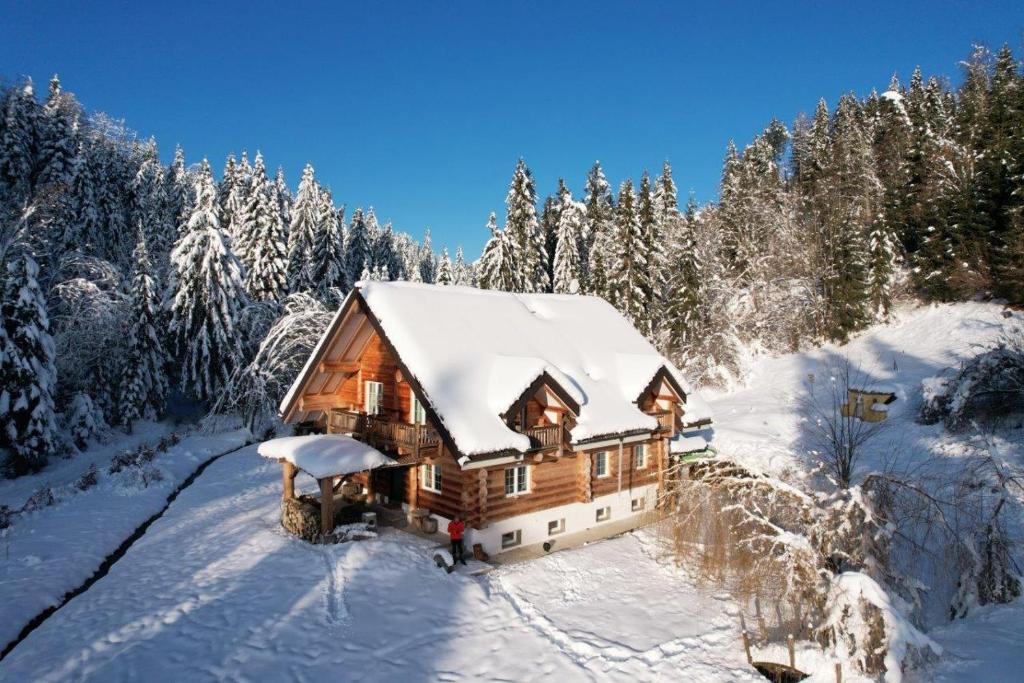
<point x="763" y="425"/>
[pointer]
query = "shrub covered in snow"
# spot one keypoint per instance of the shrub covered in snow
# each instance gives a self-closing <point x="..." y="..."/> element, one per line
<point x="989" y="385"/>
<point x="868" y="626"/>
<point x="84" y="420"/>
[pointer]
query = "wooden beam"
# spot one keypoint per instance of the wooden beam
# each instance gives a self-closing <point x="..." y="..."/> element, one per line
<point x="482" y="493"/>
<point x="369" y="487"/>
<point x="308" y="403"/>
<point x="288" y="472"/>
<point x="347" y="366"/>
<point x="326" y="505"/>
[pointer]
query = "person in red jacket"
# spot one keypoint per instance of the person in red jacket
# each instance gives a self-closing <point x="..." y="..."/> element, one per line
<point x="456" y="528"/>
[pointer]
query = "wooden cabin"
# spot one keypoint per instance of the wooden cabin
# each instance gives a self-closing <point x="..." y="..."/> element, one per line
<point x="531" y="415"/>
<point x="868" y="405"/>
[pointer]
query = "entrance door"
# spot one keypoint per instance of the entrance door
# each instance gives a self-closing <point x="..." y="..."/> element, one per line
<point x="397" y="489"/>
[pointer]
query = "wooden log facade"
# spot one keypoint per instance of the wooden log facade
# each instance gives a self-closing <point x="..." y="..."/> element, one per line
<point x="557" y="474"/>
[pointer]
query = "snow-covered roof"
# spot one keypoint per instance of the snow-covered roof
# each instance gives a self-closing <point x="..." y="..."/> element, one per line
<point x="474" y="352"/>
<point x="324" y="455"/>
<point x="690" y="442"/>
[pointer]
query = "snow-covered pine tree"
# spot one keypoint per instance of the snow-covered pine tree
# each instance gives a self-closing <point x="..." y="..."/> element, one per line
<point x="629" y="286"/>
<point x="881" y="257"/>
<point x="372" y="236"/>
<point x="82" y="228"/>
<point x="150" y="211"/>
<point x="18" y="145"/>
<point x="27" y="371"/>
<point x="462" y="272"/>
<point x="445" y="276"/>
<point x="209" y="296"/>
<point x="498" y="267"/>
<point x="384" y="254"/>
<point x="357" y="248"/>
<point x="852" y="202"/>
<point x="143" y="385"/>
<point x="179" y="191"/>
<point x="229" y="180"/>
<point x="58" y="136"/>
<point x="523" y="232"/>
<point x="568" y="270"/>
<point x="307" y="212"/>
<point x="598" y="227"/>
<point x="549" y="228"/>
<point x="427" y="262"/>
<point x="253" y="216"/>
<point x="267" y="276"/>
<point x="284" y="198"/>
<point x="326" y="270"/>
<point x="1002" y="168"/>
<point x="651" y="234"/>
<point x="685" y="285"/>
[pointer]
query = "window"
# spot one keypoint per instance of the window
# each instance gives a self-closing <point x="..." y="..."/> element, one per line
<point x="419" y="415"/>
<point x="511" y="539"/>
<point x="556" y="526"/>
<point x="603" y="514"/>
<point x="601" y="463"/>
<point x="431" y="478"/>
<point x="516" y="480"/>
<point x="374" y="397"/>
<point x="639" y="504"/>
<point x="640" y="456"/>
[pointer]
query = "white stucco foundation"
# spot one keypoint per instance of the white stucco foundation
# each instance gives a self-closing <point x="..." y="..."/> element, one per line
<point x="533" y="527"/>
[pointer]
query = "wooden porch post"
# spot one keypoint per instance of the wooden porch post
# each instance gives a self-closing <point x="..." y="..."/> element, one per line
<point x="288" y="477"/>
<point x="326" y="504"/>
<point x="660" y="464"/>
<point x="414" y="494"/>
<point x="369" y="487"/>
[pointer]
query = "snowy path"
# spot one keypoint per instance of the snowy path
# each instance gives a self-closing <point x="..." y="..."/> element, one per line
<point x="54" y="550"/>
<point x="216" y="590"/>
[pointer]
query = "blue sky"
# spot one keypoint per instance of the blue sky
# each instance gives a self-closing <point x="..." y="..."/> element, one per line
<point x="421" y="109"/>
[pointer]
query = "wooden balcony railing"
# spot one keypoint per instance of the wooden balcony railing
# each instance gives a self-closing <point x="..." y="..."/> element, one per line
<point x="548" y="436"/>
<point x="666" y="421"/>
<point x="380" y="429"/>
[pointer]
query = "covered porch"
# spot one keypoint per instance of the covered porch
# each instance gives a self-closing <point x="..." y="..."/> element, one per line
<point x="347" y="474"/>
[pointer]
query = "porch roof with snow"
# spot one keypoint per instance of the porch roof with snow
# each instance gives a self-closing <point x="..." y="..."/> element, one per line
<point x="324" y="455"/>
<point x="472" y="353"/>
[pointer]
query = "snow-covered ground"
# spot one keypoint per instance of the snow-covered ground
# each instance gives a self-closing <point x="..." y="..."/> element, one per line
<point x="216" y="589"/>
<point x="760" y="425"/>
<point x="53" y="550"/>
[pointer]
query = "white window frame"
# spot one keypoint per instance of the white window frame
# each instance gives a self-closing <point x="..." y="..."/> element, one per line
<point x="520" y="480"/>
<point x="601" y="457"/>
<point x="373" y="408"/>
<point x="430" y="477"/>
<point x="510" y="539"/>
<point x="640" y="456"/>
<point x="638" y="504"/>
<point x="417" y="413"/>
<point x="559" y="527"/>
<point x="603" y="514"/>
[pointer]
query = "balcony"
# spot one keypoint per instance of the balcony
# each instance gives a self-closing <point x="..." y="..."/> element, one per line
<point x="379" y="429"/>
<point x="666" y="421"/>
<point x="547" y="436"/>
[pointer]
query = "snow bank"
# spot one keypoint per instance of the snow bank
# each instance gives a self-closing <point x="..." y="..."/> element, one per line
<point x="324" y="455"/>
<point x="475" y="351"/>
